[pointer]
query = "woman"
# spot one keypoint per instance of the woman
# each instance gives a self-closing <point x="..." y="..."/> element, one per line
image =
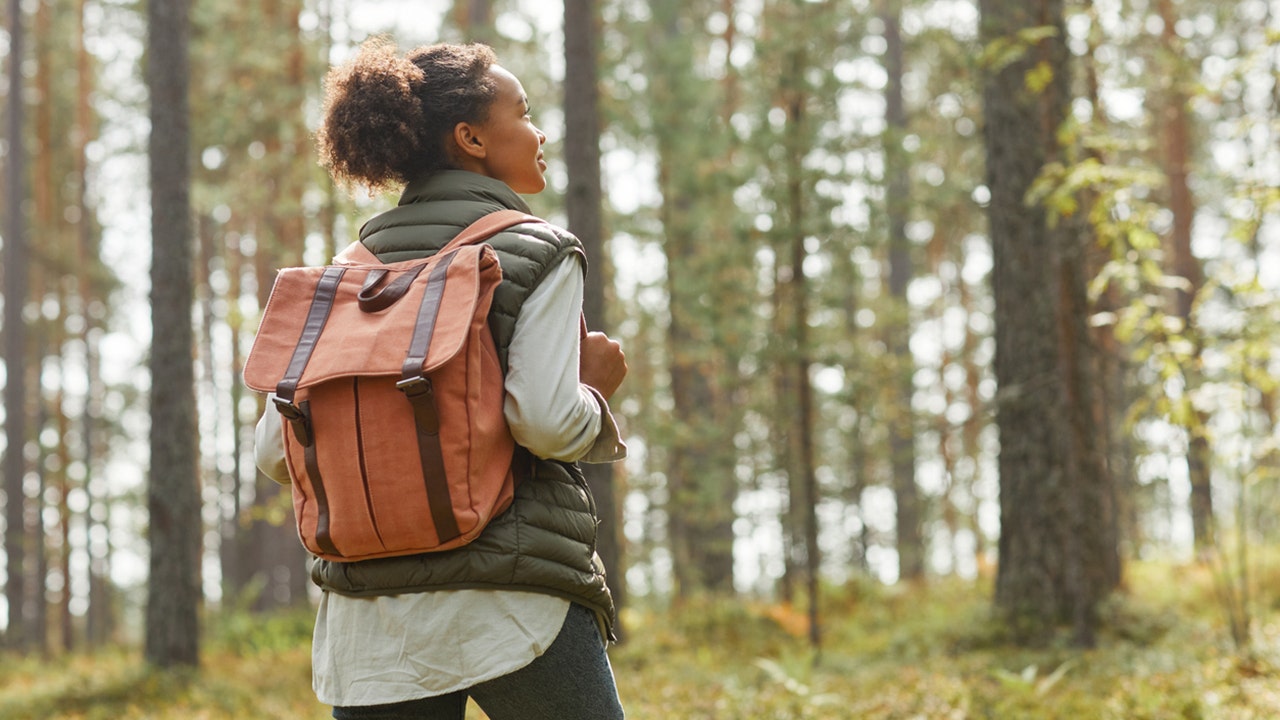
<point x="518" y="619"/>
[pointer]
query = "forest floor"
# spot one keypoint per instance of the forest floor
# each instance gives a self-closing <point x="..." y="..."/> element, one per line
<point x="920" y="653"/>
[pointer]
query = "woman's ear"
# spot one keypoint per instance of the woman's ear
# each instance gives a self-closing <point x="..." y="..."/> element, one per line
<point x="467" y="138"/>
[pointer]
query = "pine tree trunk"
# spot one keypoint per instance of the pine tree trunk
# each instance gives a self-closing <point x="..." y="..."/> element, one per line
<point x="97" y="616"/>
<point x="44" y="192"/>
<point x="1176" y="158"/>
<point x="173" y="497"/>
<point x="854" y="441"/>
<point x="15" y="342"/>
<point x="902" y="451"/>
<point x="232" y="540"/>
<point x="1057" y="548"/>
<point x="475" y="19"/>
<point x="1114" y="364"/>
<point x="794" y="98"/>
<point x="702" y="486"/>
<point x="36" y="541"/>
<point x="584" y="202"/>
<point x="804" y="500"/>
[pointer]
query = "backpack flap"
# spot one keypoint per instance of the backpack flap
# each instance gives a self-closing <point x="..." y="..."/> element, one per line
<point x="349" y="341"/>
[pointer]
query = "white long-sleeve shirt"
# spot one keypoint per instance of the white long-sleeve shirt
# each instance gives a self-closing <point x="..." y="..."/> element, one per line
<point x="385" y="649"/>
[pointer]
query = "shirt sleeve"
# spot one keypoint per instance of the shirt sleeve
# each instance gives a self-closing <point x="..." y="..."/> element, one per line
<point x="268" y="446"/>
<point x="549" y="411"/>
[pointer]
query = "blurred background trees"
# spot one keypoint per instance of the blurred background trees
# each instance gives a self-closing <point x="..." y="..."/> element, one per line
<point x="872" y="336"/>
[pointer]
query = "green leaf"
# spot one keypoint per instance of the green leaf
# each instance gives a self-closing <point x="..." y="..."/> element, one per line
<point x="1039" y="77"/>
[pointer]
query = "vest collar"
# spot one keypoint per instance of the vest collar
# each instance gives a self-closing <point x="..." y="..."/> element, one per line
<point x="462" y="185"/>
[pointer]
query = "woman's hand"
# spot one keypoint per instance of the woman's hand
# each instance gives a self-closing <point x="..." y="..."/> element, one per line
<point x="601" y="364"/>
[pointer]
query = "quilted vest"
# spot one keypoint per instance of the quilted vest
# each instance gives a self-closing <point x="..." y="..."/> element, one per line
<point x="546" y="541"/>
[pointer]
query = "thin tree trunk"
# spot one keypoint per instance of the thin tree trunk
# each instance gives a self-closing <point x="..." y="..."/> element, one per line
<point x="475" y="19"/>
<point x="1113" y="357"/>
<point x="45" y="282"/>
<point x="66" y="630"/>
<point x="857" y="460"/>
<point x="15" y="342"/>
<point x="971" y="431"/>
<point x="701" y="481"/>
<point x="206" y="239"/>
<point x="806" y="483"/>
<point x="97" y="615"/>
<point x="36" y="538"/>
<point x="902" y="450"/>
<point x="173" y="497"/>
<point x="231" y="554"/>
<point x="584" y="200"/>
<point x="1176" y="158"/>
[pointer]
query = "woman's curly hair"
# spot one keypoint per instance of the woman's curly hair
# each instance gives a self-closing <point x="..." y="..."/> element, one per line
<point x="387" y="118"/>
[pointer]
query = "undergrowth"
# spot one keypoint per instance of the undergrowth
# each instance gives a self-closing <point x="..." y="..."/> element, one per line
<point x="926" y="652"/>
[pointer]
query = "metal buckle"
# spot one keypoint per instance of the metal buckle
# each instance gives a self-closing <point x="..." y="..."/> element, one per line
<point x="300" y="423"/>
<point x="414" y="387"/>
<point x="287" y="409"/>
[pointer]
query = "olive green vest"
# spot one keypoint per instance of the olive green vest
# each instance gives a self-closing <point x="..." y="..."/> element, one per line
<point x="546" y="541"/>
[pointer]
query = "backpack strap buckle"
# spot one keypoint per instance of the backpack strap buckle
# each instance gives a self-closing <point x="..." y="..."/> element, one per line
<point x="298" y="420"/>
<point x="414" y="387"/>
<point x="422" y="396"/>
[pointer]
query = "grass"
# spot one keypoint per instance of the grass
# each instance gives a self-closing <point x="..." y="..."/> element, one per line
<point x="916" y="653"/>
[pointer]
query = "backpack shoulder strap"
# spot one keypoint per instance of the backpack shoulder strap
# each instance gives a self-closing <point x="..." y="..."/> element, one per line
<point x="479" y="231"/>
<point x="488" y="226"/>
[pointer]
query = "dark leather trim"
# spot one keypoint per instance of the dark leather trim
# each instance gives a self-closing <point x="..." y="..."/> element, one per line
<point x="422" y="396"/>
<point x="317" y="487"/>
<point x="317" y="316"/>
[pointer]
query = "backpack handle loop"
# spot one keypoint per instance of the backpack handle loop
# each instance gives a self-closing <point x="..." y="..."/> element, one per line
<point x="372" y="302"/>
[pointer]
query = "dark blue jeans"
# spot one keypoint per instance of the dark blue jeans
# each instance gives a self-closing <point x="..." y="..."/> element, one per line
<point x="572" y="680"/>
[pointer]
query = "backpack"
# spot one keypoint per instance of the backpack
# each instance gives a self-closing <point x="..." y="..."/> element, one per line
<point x="387" y="379"/>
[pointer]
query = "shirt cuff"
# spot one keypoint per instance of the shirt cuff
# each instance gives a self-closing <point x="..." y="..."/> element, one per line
<point x="608" y="446"/>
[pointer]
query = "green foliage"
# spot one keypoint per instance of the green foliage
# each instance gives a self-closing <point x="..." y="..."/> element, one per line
<point x="1002" y="52"/>
<point x="115" y="684"/>
<point x="241" y="632"/>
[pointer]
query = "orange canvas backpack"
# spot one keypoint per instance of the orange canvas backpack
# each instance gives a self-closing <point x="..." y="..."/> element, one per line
<point x="387" y="379"/>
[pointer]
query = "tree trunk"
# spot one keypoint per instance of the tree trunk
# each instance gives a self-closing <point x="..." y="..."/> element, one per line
<point x="15" y="296"/>
<point x="173" y="496"/>
<point x="232" y="541"/>
<point x="45" y="281"/>
<point x="1057" y="547"/>
<point x="66" y="629"/>
<point x="1176" y="158"/>
<point x="36" y="540"/>
<point x="97" y="615"/>
<point x="702" y="486"/>
<point x="902" y="449"/>
<point x="804" y="502"/>
<point x="1114" y="357"/>
<point x="475" y="19"/>
<point x="855" y="439"/>
<point x="584" y="202"/>
<point x="785" y="395"/>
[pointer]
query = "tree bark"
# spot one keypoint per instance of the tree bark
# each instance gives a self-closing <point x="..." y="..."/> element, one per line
<point x="702" y="486"/>
<point x="15" y="297"/>
<point x="1057" y="547"/>
<point x="475" y="19"/>
<point x="173" y="497"/>
<point x="584" y="200"/>
<point x="1176" y="158"/>
<point x="902" y="449"/>
<point x="97" y="622"/>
